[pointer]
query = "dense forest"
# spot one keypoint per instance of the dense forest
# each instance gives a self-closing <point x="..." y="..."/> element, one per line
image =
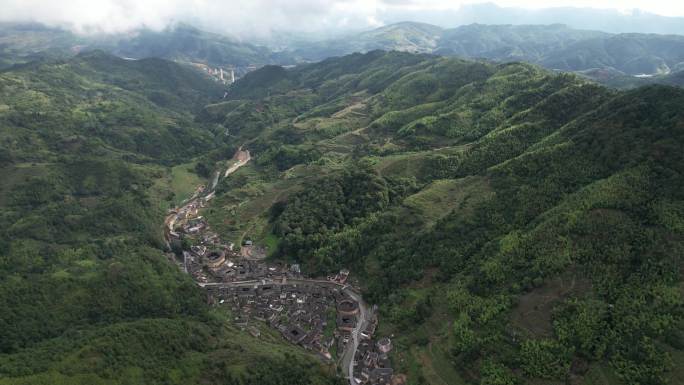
<point x="526" y="226"/>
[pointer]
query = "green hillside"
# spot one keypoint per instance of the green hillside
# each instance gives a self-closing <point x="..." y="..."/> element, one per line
<point x="529" y="43"/>
<point x="514" y="225"/>
<point x="91" y="149"/>
<point x="406" y="36"/>
<point x="99" y="103"/>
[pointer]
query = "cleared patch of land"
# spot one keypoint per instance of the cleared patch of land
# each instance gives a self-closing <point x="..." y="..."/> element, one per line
<point x="443" y="196"/>
<point x="534" y="309"/>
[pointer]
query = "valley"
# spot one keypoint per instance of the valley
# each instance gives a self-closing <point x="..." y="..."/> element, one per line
<point x="379" y="217"/>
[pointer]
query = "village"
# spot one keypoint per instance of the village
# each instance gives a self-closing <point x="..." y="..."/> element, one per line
<point x="326" y="316"/>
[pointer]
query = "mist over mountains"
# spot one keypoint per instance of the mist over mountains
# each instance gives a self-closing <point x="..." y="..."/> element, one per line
<point x="608" y="20"/>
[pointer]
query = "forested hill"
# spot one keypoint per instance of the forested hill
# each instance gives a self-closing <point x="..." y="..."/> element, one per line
<point x="91" y="150"/>
<point x="101" y="103"/>
<point x="515" y="225"/>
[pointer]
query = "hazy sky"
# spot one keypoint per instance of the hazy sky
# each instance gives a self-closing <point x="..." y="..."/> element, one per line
<point x="259" y="16"/>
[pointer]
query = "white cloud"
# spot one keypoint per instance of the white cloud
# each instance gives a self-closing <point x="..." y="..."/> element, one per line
<point x="660" y="7"/>
<point x="228" y="16"/>
<point x="260" y="16"/>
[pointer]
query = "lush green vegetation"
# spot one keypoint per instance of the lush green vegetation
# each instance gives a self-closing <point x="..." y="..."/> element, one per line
<point x="515" y="225"/>
<point x="94" y="149"/>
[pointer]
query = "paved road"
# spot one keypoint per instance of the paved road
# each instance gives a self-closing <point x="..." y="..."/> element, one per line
<point x="353" y="345"/>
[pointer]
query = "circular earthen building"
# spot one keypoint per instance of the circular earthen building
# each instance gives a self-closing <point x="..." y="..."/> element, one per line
<point x="348" y="307"/>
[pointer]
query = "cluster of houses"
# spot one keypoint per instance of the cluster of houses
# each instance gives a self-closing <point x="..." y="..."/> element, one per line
<point x="304" y="315"/>
<point x="300" y="312"/>
<point x="371" y="361"/>
<point x="318" y="315"/>
<point x="208" y="259"/>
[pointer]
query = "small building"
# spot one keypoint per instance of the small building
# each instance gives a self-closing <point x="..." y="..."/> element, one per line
<point x="198" y="249"/>
<point x="368" y="331"/>
<point x="381" y="376"/>
<point x="246" y="292"/>
<point x="346" y="323"/>
<point x="344" y="274"/>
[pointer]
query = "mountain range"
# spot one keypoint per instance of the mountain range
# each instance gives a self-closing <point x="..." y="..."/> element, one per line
<point x="555" y="47"/>
<point x="621" y="60"/>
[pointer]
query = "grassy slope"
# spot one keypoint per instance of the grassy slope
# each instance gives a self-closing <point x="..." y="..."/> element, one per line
<point x="184" y="181"/>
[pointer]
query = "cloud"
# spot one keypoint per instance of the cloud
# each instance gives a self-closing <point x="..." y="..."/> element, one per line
<point x="233" y="16"/>
<point x="260" y="17"/>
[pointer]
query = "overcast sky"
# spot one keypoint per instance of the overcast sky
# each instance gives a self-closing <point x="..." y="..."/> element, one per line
<point x="261" y="16"/>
